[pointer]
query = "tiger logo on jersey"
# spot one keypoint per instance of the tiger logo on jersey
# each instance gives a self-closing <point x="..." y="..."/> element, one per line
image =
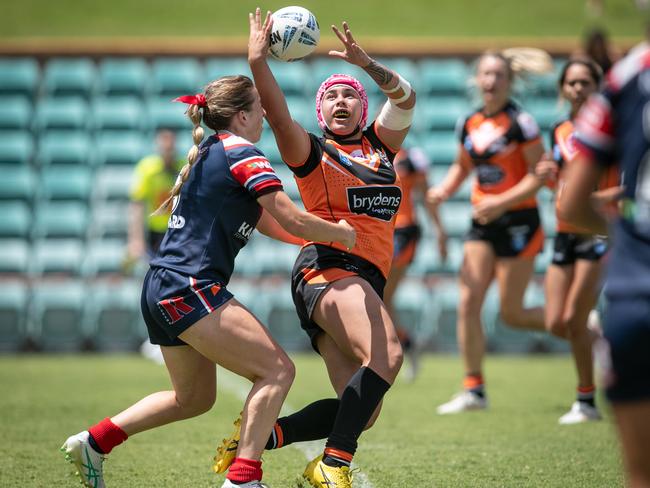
<point x="379" y="202"/>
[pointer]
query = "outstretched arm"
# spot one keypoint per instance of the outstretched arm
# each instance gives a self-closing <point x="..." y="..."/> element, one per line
<point x="293" y="141"/>
<point x="394" y="120"/>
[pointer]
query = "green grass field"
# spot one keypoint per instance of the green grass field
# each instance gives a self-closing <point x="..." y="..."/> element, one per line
<point x="516" y="444"/>
<point x="370" y="18"/>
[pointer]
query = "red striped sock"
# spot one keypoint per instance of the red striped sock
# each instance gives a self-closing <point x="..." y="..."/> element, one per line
<point x="341" y="458"/>
<point x="107" y="435"/>
<point x="244" y="470"/>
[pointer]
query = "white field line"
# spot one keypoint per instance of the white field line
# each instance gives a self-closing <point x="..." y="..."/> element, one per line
<point x="240" y="388"/>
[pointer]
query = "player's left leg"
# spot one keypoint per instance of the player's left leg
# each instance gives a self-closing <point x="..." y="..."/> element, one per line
<point x="513" y="276"/>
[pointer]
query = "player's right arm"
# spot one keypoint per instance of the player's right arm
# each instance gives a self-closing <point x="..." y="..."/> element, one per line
<point x="293" y="141"/>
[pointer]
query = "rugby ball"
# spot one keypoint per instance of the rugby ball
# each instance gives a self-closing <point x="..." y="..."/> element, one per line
<point x="295" y="34"/>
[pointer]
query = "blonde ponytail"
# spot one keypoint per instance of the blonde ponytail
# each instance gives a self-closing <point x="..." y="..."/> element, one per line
<point x="528" y="60"/>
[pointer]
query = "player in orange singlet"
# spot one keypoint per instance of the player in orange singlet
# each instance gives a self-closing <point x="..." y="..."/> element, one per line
<point x="411" y="166"/>
<point x="346" y="172"/>
<point x="573" y="278"/>
<point x="502" y="144"/>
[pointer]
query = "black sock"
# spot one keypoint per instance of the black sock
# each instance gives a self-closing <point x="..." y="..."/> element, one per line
<point x="313" y="422"/>
<point x="93" y="444"/>
<point x="360" y="398"/>
<point x="587" y="395"/>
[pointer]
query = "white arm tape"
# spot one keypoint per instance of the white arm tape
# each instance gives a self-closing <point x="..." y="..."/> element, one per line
<point x="394" y="118"/>
<point x="404" y="85"/>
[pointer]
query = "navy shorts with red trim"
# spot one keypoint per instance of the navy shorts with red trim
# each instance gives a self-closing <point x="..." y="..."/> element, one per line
<point x="516" y="233"/>
<point x="568" y="248"/>
<point x="172" y="302"/>
<point x="405" y="240"/>
<point x="317" y="267"/>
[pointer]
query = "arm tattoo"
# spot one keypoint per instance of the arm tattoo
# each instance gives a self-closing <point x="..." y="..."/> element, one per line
<point x="379" y="73"/>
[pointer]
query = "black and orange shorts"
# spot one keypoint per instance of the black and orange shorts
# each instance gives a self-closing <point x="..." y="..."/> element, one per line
<point x="317" y="267"/>
<point x="405" y="240"/>
<point x="516" y="234"/>
<point x="568" y="248"/>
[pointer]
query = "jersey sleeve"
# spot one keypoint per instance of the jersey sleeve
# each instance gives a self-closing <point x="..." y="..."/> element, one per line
<point x="253" y="171"/>
<point x="375" y="140"/>
<point x="527" y="128"/>
<point x="595" y="129"/>
<point x="419" y="160"/>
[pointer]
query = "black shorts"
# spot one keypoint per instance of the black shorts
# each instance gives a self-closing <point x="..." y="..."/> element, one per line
<point x="317" y="267"/>
<point x="568" y="248"/>
<point x="517" y="233"/>
<point x="405" y="241"/>
<point x="171" y="302"/>
<point x="627" y="330"/>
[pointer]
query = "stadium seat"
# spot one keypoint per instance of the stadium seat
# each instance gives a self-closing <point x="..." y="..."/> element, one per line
<point x="321" y="68"/>
<point x="118" y="113"/>
<point x="171" y="77"/>
<point x="455" y="252"/>
<point x="104" y="256"/>
<point x="65" y="183"/>
<point x="225" y="66"/>
<point x="56" y="256"/>
<point x="14" y="298"/>
<point x="548" y="216"/>
<point x="64" y="147"/>
<point x="270" y="149"/>
<point x="57" y="317"/>
<point x="249" y="293"/>
<point x="439" y="113"/>
<point x="16" y="147"/>
<point x="16" y="219"/>
<point x="115" y="316"/>
<point x="282" y="319"/>
<point x="16" y="183"/>
<point x="61" y="113"/>
<point x="273" y="257"/>
<point x="441" y="147"/>
<point x="407" y="69"/>
<point x="15" y="113"/>
<point x="437" y="175"/>
<point x="109" y="220"/>
<point x="416" y="310"/>
<point x="60" y="219"/>
<point x="545" y="111"/>
<point x="15" y="256"/>
<point x="113" y="183"/>
<point x="290" y="76"/>
<point x="543" y="260"/>
<point x="69" y="76"/>
<point x="443" y="76"/>
<point x="456" y="218"/>
<point x="163" y="113"/>
<point x="119" y="148"/>
<point x="19" y="76"/>
<point x="303" y="111"/>
<point x="123" y="76"/>
<point x="446" y="296"/>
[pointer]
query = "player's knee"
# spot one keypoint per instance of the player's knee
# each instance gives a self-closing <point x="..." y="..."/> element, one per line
<point x="556" y="326"/>
<point x="395" y="358"/>
<point x="512" y="316"/>
<point x="469" y="304"/>
<point x="282" y="372"/>
<point x="197" y="403"/>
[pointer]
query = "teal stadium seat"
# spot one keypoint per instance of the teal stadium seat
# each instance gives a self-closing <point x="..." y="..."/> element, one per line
<point x="60" y="219"/>
<point x="445" y="76"/>
<point x="117" y="148"/>
<point x="65" y="183"/>
<point x="456" y="217"/>
<point x="16" y="219"/>
<point x="162" y="113"/>
<point x="69" y="76"/>
<point x="19" y="76"/>
<point x="113" y="183"/>
<point x="109" y="220"/>
<point x="273" y="257"/>
<point x="322" y="67"/>
<point x="407" y="68"/>
<point x="441" y="147"/>
<point x="291" y="77"/>
<point x="14" y="298"/>
<point x="104" y="257"/>
<point x="437" y="175"/>
<point x="545" y="111"/>
<point x="282" y="319"/>
<point x="118" y="113"/>
<point x="416" y="310"/>
<point x="17" y="183"/>
<point x="123" y="76"/>
<point x="114" y="316"/>
<point x="303" y="111"/>
<point x="16" y="147"/>
<point x="171" y="77"/>
<point x="248" y="293"/>
<point x="56" y="256"/>
<point x="446" y="295"/>
<point x="64" y="147"/>
<point x="15" y="256"/>
<point x="439" y="113"/>
<point x="455" y="251"/>
<point x="57" y="319"/>
<point x="62" y="113"/>
<point x="225" y="66"/>
<point x="15" y="113"/>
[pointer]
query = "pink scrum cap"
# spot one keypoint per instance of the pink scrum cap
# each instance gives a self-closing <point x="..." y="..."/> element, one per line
<point x="341" y="79"/>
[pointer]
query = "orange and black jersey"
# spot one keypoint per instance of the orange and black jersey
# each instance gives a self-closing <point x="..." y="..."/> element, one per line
<point x="411" y="166"/>
<point x="563" y="144"/>
<point x="355" y="181"/>
<point x="494" y="145"/>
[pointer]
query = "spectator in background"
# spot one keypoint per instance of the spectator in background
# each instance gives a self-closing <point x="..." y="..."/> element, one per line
<point x="597" y="47"/>
<point x="153" y="178"/>
<point x="411" y="166"/>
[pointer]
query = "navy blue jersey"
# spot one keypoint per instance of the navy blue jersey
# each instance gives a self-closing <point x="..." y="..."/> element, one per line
<point x="613" y="129"/>
<point x="217" y="209"/>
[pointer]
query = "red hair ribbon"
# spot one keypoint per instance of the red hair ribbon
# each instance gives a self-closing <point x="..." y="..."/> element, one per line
<point x="198" y="99"/>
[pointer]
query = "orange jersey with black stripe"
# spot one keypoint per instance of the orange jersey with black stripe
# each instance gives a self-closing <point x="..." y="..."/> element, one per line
<point x="494" y="146"/>
<point x="564" y="151"/>
<point x="411" y="166"/>
<point x="355" y="181"/>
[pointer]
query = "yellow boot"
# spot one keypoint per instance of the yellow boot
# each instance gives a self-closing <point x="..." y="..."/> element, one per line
<point x="227" y="451"/>
<point x="320" y="475"/>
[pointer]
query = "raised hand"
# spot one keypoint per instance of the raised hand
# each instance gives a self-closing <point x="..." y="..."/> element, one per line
<point x="352" y="52"/>
<point x="260" y="35"/>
